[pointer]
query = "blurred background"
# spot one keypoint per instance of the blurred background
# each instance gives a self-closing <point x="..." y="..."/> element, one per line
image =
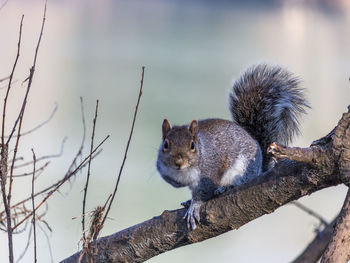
<point x="192" y="50"/>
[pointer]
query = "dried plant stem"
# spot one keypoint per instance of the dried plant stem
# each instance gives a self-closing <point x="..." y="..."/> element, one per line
<point x="4" y="152"/>
<point x="27" y="245"/>
<point x="10" y="82"/>
<point x="30" y="78"/>
<point x="44" y="157"/>
<point x="60" y="184"/>
<point x="127" y="148"/>
<point x="21" y="114"/>
<point x="41" y="124"/>
<point x="33" y="205"/>
<point x="3" y="176"/>
<point x="66" y="177"/>
<point x="88" y="172"/>
<point x="40" y="169"/>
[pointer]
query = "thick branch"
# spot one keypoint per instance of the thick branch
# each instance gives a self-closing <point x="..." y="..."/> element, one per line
<point x="288" y="181"/>
<point x="338" y="248"/>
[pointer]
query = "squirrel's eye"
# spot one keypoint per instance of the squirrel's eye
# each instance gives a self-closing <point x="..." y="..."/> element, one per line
<point x="192" y="145"/>
<point x="166" y="145"/>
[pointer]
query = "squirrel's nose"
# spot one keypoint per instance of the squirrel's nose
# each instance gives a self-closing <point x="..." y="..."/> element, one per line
<point x="179" y="160"/>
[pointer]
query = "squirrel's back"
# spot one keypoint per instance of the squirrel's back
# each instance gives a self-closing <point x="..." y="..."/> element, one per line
<point x="267" y="102"/>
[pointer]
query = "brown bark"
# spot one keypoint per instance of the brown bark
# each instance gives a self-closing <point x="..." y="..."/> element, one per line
<point x="289" y="180"/>
<point x="338" y="249"/>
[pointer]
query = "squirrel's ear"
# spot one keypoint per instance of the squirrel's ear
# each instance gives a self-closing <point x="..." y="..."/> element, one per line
<point x="193" y="128"/>
<point x="166" y="127"/>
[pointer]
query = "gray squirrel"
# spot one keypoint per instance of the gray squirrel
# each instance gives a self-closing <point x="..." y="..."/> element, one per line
<point x="212" y="155"/>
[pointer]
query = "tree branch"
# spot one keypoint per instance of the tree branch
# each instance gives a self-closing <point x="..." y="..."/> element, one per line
<point x="338" y="247"/>
<point x="287" y="181"/>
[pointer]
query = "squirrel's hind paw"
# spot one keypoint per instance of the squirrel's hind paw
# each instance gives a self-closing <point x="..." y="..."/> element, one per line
<point x="222" y="189"/>
<point x="192" y="215"/>
<point x="186" y="204"/>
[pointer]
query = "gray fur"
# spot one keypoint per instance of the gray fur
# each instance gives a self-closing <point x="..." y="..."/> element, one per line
<point x="267" y="102"/>
<point x="212" y="154"/>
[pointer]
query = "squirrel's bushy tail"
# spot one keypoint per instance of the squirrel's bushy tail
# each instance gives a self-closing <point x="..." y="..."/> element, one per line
<point x="267" y="102"/>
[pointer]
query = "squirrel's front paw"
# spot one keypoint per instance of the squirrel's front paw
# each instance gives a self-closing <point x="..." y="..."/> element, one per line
<point x="277" y="151"/>
<point x="192" y="214"/>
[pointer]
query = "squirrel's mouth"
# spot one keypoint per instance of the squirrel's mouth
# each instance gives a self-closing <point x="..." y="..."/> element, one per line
<point x="183" y="166"/>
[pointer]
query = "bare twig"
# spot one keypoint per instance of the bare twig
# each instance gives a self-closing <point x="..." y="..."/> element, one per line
<point x="61" y="183"/>
<point x="3" y="79"/>
<point x="127" y="147"/>
<point x="40" y="125"/>
<point x="10" y="81"/>
<point x="48" y="242"/>
<point x="27" y="245"/>
<point x="21" y="114"/>
<point x="44" y="157"/>
<point x="88" y="171"/>
<point x="3" y="176"/>
<point x="68" y="174"/>
<point x="30" y="79"/>
<point x="3" y="4"/>
<point x="4" y="150"/>
<point x="40" y="169"/>
<point x="80" y="151"/>
<point x="33" y="205"/>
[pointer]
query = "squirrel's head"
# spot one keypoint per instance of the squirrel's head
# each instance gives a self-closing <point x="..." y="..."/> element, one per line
<point x="179" y="145"/>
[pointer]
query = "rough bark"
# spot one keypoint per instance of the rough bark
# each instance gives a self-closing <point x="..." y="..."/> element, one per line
<point x="338" y="249"/>
<point x="307" y="170"/>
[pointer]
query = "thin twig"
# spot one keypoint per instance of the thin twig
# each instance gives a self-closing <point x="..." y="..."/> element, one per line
<point x="30" y="78"/>
<point x="3" y="4"/>
<point x="33" y="205"/>
<point x="61" y="183"/>
<point x="10" y="82"/>
<point x="3" y="79"/>
<point x="48" y="242"/>
<point x="20" y="117"/>
<point x="127" y="148"/>
<point x="27" y="245"/>
<point x="45" y="156"/>
<point x="3" y="177"/>
<point x="40" y="169"/>
<point x="88" y="171"/>
<point x="40" y="125"/>
<point x="4" y="152"/>
<point x="68" y="174"/>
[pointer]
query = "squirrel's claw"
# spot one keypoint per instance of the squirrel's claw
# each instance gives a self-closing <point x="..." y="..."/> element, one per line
<point x="277" y="151"/>
<point x="186" y="204"/>
<point x="222" y="189"/>
<point x="192" y="215"/>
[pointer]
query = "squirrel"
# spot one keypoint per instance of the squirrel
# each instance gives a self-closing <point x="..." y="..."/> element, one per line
<point x="212" y="155"/>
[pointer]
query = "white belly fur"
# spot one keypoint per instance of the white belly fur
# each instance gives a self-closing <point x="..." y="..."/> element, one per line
<point x="234" y="173"/>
